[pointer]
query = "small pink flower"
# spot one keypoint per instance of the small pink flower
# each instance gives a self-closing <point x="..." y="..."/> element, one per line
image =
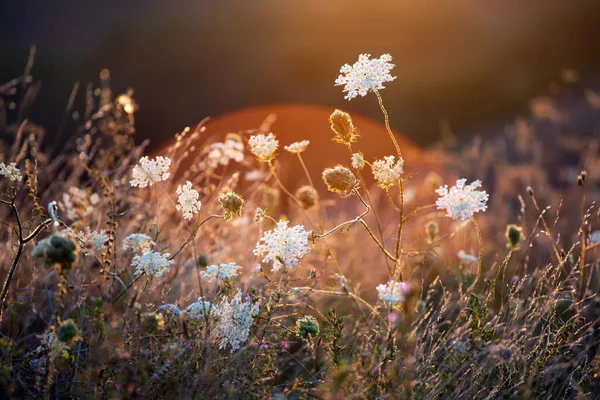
<point x="392" y="318"/>
<point x="284" y="345"/>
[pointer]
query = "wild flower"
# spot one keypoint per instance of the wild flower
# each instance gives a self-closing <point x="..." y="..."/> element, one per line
<point x="393" y="292"/>
<point x="221" y="271"/>
<point x="259" y="214"/>
<point x="339" y="179"/>
<point x="343" y="127"/>
<point x="198" y="309"/>
<point x="10" y="171"/>
<point x="307" y="326"/>
<point x="95" y="240"/>
<point x="462" y="201"/>
<point x="466" y="257"/>
<point x="169" y="309"/>
<point x="235" y="318"/>
<point x="387" y="171"/>
<point x="263" y="146"/>
<point x="138" y="242"/>
<point x="358" y="161"/>
<point x="148" y="172"/>
<point x="188" y="200"/>
<point x="283" y="246"/>
<point x="254" y="175"/>
<point x="57" y="249"/>
<point x="232" y="205"/>
<point x="152" y="263"/>
<point x="297" y="147"/>
<point x="221" y="153"/>
<point x="78" y="203"/>
<point x="365" y="75"/>
<point x="595" y="237"/>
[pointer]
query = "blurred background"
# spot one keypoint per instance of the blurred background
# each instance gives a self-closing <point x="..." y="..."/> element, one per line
<point x="465" y="66"/>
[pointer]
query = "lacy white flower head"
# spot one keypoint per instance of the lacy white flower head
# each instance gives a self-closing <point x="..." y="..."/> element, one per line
<point x="297" y="147"/>
<point x="95" y="240"/>
<point x="221" y="153"/>
<point x="188" y="201"/>
<point x="393" y="292"/>
<point x="358" y="161"/>
<point x="169" y="309"/>
<point x="78" y="203"/>
<point x="254" y="175"/>
<point x="148" y="172"/>
<point x="234" y="321"/>
<point x="387" y="172"/>
<point x="283" y="246"/>
<point x="152" y="263"/>
<point x="138" y="242"/>
<point x="198" y="309"/>
<point x="365" y="75"/>
<point x="10" y="171"/>
<point x="462" y="201"/>
<point x="263" y="146"/>
<point x="221" y="271"/>
<point x="466" y="257"/>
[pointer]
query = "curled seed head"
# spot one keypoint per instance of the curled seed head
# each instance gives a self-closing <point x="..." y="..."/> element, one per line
<point x="343" y="127"/>
<point x="339" y="179"/>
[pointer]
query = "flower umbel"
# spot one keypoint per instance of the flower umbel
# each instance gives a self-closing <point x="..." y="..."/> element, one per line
<point x="188" y="200"/>
<point x="462" y="201"/>
<point x="234" y="321"/>
<point x="232" y="204"/>
<point x="221" y="271"/>
<point x="393" y="292"/>
<point x="148" y="172"/>
<point x="10" y="171"/>
<point x="283" y="246"/>
<point x="138" y="242"/>
<point x="297" y="147"/>
<point x="263" y="146"/>
<point x="152" y="263"/>
<point x="365" y="75"/>
<point x="387" y="172"/>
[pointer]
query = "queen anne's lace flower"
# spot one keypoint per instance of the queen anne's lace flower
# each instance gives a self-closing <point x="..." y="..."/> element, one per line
<point x="283" y="246"/>
<point x="387" y="171"/>
<point x="466" y="257"/>
<point x="152" y="263"/>
<point x="263" y="147"/>
<point x="393" y="292"/>
<point x="462" y="201"/>
<point x="148" y="172"/>
<point x="78" y="203"/>
<point x="297" y="147"/>
<point x="358" y="161"/>
<point x="188" y="200"/>
<point x="221" y="153"/>
<point x="198" y="309"/>
<point x="138" y="242"/>
<point x="221" y="271"/>
<point x="234" y="321"/>
<point x="95" y="240"/>
<point x="10" y="171"/>
<point x="365" y="75"/>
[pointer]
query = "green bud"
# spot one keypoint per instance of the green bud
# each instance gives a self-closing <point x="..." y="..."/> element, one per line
<point x="307" y="326"/>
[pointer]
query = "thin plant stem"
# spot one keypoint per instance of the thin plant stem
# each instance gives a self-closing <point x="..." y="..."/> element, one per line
<point x="480" y="258"/>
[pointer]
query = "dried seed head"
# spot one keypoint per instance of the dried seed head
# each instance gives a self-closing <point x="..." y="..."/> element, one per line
<point x="339" y="179"/>
<point x="270" y="198"/>
<point x="343" y="127"/>
<point x="513" y="235"/>
<point x="232" y="204"/>
<point x="307" y="196"/>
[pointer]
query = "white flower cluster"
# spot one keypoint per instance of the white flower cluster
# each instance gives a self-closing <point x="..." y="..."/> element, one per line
<point x="283" y="246"/>
<point x="95" y="240"/>
<point x="221" y="153"/>
<point x="10" y="171"/>
<point x="77" y="203"/>
<point x="297" y="147"/>
<point x="234" y="321"/>
<point x="152" y="263"/>
<point x="169" y="308"/>
<point x="188" y="200"/>
<point x="365" y="75"/>
<point x="462" y="201"/>
<point x="254" y="175"/>
<point x="387" y="172"/>
<point x="138" y="243"/>
<point x="393" y="292"/>
<point x="221" y="271"/>
<point x="198" y="309"/>
<point x="263" y="146"/>
<point x="358" y="161"/>
<point x="148" y="172"/>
